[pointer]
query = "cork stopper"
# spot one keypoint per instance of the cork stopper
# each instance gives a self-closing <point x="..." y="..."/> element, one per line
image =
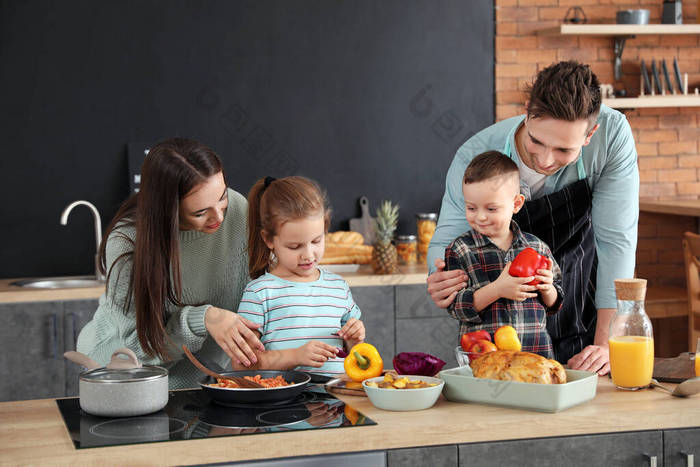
<point x="630" y="289"/>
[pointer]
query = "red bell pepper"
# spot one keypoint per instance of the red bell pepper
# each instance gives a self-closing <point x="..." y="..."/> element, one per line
<point x="526" y="264"/>
<point x="469" y="338"/>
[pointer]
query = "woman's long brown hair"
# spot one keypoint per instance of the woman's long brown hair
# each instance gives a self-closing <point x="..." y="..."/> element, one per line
<point x="171" y="169"/>
<point x="283" y="200"/>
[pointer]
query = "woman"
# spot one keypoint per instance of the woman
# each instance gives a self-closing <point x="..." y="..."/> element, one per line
<point x="176" y="264"/>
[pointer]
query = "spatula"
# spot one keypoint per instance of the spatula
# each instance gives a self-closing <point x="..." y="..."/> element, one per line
<point x="242" y="382"/>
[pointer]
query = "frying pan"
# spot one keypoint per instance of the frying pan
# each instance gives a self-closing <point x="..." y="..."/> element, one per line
<point x="228" y="396"/>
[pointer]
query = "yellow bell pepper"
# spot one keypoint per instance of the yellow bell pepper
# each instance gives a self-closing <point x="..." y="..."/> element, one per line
<point x="363" y="362"/>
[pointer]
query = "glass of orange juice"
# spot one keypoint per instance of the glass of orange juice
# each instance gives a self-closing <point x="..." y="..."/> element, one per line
<point x="697" y="359"/>
<point x="631" y="337"/>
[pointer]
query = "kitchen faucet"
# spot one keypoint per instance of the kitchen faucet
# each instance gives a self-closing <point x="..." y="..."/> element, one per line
<point x="98" y="231"/>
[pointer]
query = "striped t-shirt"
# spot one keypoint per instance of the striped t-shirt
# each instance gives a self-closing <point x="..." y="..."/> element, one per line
<point x="294" y="313"/>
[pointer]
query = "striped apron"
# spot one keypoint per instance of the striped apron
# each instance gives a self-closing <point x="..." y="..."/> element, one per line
<point x="563" y="220"/>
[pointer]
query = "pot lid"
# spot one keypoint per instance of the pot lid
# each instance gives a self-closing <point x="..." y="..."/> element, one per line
<point x="106" y="375"/>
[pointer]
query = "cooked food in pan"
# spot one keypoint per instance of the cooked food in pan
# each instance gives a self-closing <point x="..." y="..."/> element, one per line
<point x="276" y="382"/>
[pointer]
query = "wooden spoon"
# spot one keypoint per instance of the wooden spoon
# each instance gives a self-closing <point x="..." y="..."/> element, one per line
<point x="242" y="382"/>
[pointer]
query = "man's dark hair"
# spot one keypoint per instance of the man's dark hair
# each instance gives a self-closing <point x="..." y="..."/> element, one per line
<point x="567" y="91"/>
<point x="488" y="165"/>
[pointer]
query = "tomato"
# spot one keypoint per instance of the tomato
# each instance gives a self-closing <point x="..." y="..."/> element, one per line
<point x="482" y="346"/>
<point x="526" y="264"/>
<point x="469" y="338"/>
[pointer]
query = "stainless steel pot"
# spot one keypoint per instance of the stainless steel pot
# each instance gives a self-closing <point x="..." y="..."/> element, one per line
<point x="124" y="388"/>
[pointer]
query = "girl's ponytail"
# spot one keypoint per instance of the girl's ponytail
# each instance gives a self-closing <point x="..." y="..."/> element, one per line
<point x="258" y="252"/>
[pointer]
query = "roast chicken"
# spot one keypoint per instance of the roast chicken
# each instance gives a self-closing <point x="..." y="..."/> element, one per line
<point x="525" y="367"/>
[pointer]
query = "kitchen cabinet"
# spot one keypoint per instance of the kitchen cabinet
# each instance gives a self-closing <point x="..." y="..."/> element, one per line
<point x="32" y="363"/>
<point x="679" y="445"/>
<point x="35" y="335"/>
<point x="377" y="306"/>
<point x="76" y="314"/>
<point x="444" y="456"/>
<point x="423" y="327"/>
<point x="619" y="449"/>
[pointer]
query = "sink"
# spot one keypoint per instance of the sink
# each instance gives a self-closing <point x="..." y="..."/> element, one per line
<point x="69" y="282"/>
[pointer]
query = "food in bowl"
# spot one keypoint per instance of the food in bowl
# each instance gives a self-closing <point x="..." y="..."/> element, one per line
<point x="524" y="367"/>
<point x="389" y="382"/>
<point x="404" y="399"/>
<point x="276" y="382"/>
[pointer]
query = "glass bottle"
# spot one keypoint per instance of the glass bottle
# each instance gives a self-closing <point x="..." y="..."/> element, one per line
<point x="631" y="337"/>
<point x="406" y="248"/>
<point x="426" y="223"/>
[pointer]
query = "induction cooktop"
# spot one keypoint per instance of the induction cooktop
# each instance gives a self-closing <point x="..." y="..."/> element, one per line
<point x="191" y="414"/>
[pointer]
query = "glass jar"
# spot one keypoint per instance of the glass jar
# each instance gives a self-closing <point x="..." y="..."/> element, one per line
<point x="425" y="223"/>
<point x="406" y="248"/>
<point x="631" y="337"/>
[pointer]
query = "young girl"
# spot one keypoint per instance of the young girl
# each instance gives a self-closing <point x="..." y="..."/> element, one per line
<point x="305" y="313"/>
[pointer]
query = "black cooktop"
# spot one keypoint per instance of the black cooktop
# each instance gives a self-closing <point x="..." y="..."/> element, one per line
<point x="191" y="414"/>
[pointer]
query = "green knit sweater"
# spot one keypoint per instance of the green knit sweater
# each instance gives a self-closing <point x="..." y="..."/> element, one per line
<point x="214" y="270"/>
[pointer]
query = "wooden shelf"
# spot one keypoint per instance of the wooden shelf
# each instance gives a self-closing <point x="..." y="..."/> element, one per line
<point x="680" y="207"/>
<point x="676" y="100"/>
<point x="628" y="29"/>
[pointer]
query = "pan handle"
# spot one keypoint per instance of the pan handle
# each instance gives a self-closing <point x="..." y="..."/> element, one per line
<point x="81" y="359"/>
<point x="118" y="363"/>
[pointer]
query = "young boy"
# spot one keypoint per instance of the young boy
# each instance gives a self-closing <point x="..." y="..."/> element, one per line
<point x="493" y="297"/>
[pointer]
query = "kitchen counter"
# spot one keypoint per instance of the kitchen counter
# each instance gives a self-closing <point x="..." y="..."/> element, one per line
<point x="33" y="431"/>
<point x="364" y="277"/>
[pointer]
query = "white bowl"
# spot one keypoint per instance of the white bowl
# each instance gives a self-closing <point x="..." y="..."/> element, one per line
<point x="404" y="399"/>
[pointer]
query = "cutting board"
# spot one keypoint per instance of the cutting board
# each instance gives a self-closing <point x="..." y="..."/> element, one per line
<point x="676" y="369"/>
<point x="351" y="388"/>
<point x="364" y="224"/>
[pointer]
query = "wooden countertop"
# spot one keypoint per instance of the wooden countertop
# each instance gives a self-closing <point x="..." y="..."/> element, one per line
<point x="362" y="278"/>
<point x="33" y="431"/>
<point x="679" y="207"/>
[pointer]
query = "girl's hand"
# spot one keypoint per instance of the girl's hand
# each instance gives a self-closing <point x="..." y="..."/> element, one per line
<point x="314" y="353"/>
<point x="234" y="334"/>
<point x="353" y="330"/>
<point x="514" y="288"/>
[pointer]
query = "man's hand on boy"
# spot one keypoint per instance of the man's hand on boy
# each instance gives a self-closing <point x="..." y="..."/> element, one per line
<point x="314" y="353"/>
<point x="514" y="288"/>
<point x="444" y="285"/>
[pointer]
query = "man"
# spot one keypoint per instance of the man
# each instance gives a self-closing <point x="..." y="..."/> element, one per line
<point x="578" y="169"/>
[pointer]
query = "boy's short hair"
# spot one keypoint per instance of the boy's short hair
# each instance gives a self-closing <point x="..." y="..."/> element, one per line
<point x="566" y="91"/>
<point x="488" y="165"/>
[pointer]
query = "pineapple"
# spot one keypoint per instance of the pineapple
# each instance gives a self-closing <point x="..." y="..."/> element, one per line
<point x="384" y="256"/>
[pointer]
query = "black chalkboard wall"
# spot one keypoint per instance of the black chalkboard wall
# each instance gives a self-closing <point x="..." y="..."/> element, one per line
<point x="369" y="97"/>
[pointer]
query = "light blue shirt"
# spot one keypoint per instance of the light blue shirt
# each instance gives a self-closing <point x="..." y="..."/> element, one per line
<point x="294" y="313"/>
<point x="609" y="163"/>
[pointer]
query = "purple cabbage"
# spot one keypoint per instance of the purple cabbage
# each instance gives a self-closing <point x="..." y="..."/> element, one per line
<point x="417" y="363"/>
<point x="341" y="352"/>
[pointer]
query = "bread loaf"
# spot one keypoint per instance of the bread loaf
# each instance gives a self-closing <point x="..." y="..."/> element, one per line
<point x="345" y="238"/>
<point x="337" y="253"/>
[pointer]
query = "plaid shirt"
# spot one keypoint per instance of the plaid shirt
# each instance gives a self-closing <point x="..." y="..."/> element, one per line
<point x="483" y="262"/>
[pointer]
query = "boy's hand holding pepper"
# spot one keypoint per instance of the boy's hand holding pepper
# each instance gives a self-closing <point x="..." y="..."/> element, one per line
<point x="545" y="287"/>
<point x="515" y="288"/>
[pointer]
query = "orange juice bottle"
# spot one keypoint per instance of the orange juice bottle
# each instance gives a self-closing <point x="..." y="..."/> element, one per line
<point x="631" y="337"/>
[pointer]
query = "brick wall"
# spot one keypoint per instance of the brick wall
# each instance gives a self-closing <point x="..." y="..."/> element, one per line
<point x="527" y="40"/>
